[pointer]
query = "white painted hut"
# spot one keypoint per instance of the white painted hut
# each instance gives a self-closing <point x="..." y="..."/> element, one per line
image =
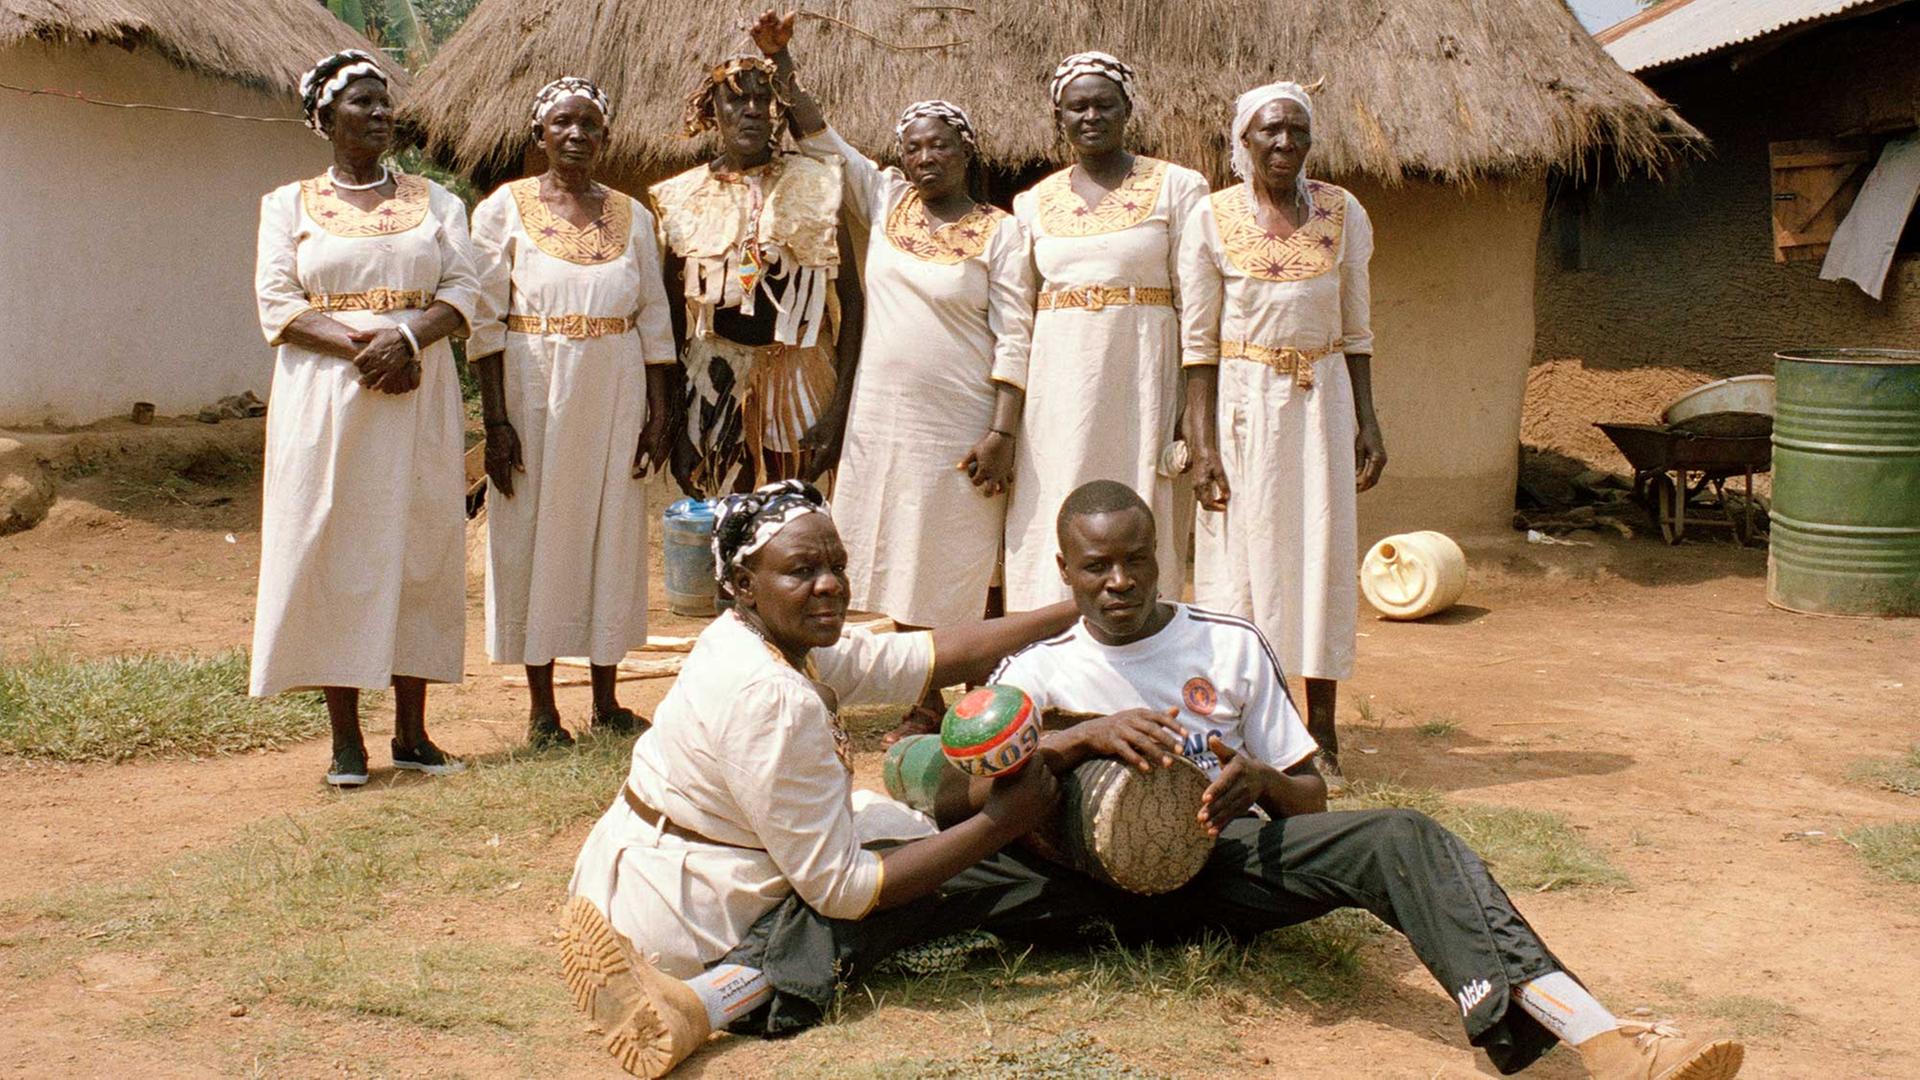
<point x="128" y="234"/>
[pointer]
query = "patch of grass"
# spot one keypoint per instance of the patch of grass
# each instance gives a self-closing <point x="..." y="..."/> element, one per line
<point x="1899" y="775"/>
<point x="1074" y="1055"/>
<point x="341" y="910"/>
<point x="1527" y="849"/>
<point x="60" y="708"/>
<point x="1893" y="850"/>
<point x="1435" y="729"/>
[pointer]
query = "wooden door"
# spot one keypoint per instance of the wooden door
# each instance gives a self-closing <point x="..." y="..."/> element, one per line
<point x="1814" y="184"/>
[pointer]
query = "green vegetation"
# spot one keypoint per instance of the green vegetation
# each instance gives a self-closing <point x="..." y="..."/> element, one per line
<point x="59" y="708"/>
<point x="1435" y="729"/>
<point x="1527" y="849"/>
<point x="1900" y="775"/>
<point x="1893" y="850"/>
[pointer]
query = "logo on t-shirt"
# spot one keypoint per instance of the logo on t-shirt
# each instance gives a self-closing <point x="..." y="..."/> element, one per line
<point x="1199" y="696"/>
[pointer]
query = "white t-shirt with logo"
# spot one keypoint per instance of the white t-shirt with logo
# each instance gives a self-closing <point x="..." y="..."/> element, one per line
<point x="1218" y="671"/>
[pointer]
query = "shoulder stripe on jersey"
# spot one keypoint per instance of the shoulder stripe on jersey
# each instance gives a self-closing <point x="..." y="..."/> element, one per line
<point x="1060" y="639"/>
<point x="1203" y="615"/>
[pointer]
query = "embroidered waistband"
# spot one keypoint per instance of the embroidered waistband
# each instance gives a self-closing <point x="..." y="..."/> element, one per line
<point x="1287" y="361"/>
<point x="370" y="300"/>
<point x="1095" y="297"/>
<point x="573" y="326"/>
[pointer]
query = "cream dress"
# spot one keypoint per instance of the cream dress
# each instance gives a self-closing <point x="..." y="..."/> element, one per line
<point x="1103" y="383"/>
<point x="949" y="313"/>
<point x="1278" y="317"/>
<point x="748" y="751"/>
<point x="579" y="314"/>
<point x="362" y="518"/>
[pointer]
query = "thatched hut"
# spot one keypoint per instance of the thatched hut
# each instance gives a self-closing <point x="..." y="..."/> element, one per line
<point x="129" y="233"/>
<point x="1442" y="115"/>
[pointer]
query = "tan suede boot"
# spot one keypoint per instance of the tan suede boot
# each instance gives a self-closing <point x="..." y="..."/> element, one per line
<point x="650" y="1021"/>
<point x="1657" y="1051"/>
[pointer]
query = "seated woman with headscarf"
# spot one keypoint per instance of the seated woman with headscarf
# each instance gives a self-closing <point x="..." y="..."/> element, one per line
<point x="935" y="404"/>
<point x="754" y="246"/>
<point x="363" y="274"/>
<point x="741" y="795"/>
<point x="572" y="349"/>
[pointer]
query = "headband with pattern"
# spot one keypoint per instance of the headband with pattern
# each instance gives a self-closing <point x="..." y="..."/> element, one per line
<point x="330" y="76"/>
<point x="698" y="116"/>
<point x="1091" y="63"/>
<point x="955" y="116"/>
<point x="743" y="524"/>
<point x="563" y="88"/>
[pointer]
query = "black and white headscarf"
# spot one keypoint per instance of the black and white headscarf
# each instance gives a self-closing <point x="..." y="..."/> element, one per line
<point x="560" y="90"/>
<point x="1091" y="63"/>
<point x="330" y="76"/>
<point x="955" y="116"/>
<point x="743" y="524"/>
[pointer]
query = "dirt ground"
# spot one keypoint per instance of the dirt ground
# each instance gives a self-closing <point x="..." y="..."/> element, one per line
<point x="1698" y="738"/>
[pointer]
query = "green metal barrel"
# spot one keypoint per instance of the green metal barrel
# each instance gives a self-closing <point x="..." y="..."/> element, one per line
<point x="1846" y="482"/>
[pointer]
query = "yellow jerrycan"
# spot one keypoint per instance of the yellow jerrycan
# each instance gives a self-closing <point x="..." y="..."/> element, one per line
<point x="1414" y="575"/>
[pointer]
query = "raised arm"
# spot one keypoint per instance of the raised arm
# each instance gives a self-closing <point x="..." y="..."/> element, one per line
<point x="969" y="651"/>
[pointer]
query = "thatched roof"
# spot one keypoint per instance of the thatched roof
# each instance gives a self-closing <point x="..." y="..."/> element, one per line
<point x="1453" y="89"/>
<point x="264" y="44"/>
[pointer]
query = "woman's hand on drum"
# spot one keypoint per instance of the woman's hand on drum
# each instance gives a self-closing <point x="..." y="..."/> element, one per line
<point x="387" y="364"/>
<point x="990" y="463"/>
<point x="503" y="456"/>
<point x="1209" y="477"/>
<point x="1369" y="455"/>
<point x="1243" y="781"/>
<point x="1016" y="804"/>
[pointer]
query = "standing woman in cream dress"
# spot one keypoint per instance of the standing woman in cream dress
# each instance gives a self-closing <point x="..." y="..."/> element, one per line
<point x="1103" y="380"/>
<point x="572" y="349"/>
<point x="936" y="399"/>
<point x="1278" y="356"/>
<point x="363" y="274"/>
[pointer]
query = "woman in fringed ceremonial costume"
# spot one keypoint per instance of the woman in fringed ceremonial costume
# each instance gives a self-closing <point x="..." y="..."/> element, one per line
<point x="572" y="348"/>
<point x="1278" y="355"/>
<point x="1103" y="383"/>
<point x="363" y="274"/>
<point x="936" y="402"/>
<point x="755" y="247"/>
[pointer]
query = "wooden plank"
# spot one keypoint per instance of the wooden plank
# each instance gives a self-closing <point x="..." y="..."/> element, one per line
<point x="1814" y="182"/>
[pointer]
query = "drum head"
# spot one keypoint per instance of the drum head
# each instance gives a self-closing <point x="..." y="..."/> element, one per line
<point x="1138" y="831"/>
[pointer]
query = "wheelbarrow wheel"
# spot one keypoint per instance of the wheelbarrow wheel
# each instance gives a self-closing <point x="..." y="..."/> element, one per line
<point x="1666" y="497"/>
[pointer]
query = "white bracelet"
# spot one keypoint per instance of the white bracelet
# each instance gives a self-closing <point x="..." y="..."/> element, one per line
<point x="412" y="342"/>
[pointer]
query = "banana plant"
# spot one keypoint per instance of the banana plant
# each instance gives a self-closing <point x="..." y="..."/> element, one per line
<point x="395" y="26"/>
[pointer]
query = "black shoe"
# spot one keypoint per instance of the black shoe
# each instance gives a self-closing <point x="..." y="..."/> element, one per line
<point x="621" y="721"/>
<point x="426" y="758"/>
<point x="544" y="732"/>
<point x="348" y="767"/>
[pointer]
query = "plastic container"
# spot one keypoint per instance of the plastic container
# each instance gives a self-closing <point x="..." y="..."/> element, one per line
<point x="687" y="531"/>
<point x="1414" y="575"/>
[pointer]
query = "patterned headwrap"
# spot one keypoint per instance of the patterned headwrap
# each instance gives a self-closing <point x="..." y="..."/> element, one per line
<point x="1251" y="103"/>
<point x="954" y="115"/>
<point x="743" y="524"/>
<point x="1091" y="63"/>
<point x="699" y="116"/>
<point x="560" y="90"/>
<point x="330" y="76"/>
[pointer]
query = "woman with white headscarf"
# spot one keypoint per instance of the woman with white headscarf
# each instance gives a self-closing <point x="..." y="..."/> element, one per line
<point x="1277" y="351"/>
<point x="934" y="406"/>
<point x="363" y="274"/>
<point x="572" y="349"/>
<point x="1103" y="378"/>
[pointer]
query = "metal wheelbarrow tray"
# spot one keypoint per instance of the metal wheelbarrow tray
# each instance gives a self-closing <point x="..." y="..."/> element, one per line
<point x="1673" y="467"/>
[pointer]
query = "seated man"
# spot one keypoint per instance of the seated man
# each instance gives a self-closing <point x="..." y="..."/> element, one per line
<point x="1169" y="678"/>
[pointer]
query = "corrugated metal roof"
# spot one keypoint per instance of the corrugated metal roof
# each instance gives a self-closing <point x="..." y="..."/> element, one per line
<point x="1679" y="29"/>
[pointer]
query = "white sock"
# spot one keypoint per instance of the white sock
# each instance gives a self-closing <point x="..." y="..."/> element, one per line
<point x="730" y="991"/>
<point x="1565" y="1008"/>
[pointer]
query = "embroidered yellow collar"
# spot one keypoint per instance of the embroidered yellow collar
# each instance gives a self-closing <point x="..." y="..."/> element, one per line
<point x="407" y="208"/>
<point x="909" y="229"/>
<point x="1065" y="213"/>
<point x="1312" y="250"/>
<point x="603" y="240"/>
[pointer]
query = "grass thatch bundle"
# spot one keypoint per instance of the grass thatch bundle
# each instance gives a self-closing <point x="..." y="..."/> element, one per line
<point x="265" y="44"/>
<point x="1447" y="89"/>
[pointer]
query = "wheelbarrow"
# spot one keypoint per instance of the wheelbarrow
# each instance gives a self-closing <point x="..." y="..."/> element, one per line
<point x="1675" y="469"/>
